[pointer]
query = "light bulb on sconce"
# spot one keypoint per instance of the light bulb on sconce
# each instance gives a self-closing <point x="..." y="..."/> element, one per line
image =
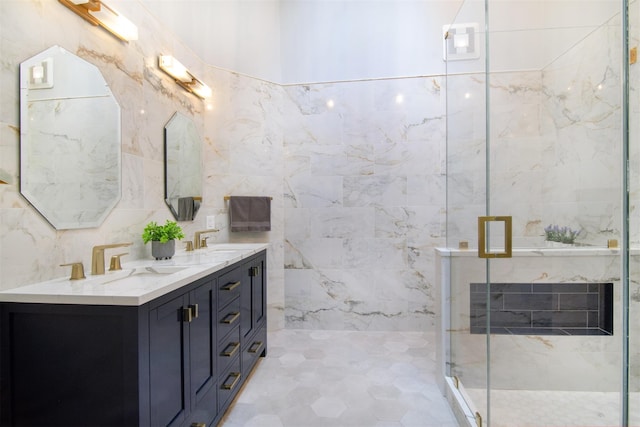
<point x="174" y="68"/>
<point x="183" y="76"/>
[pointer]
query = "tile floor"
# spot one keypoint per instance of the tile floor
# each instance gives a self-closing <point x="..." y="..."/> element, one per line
<point x="343" y="379"/>
<point x="527" y="408"/>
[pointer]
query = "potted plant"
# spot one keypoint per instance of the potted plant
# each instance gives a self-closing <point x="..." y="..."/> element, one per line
<point x="563" y="235"/>
<point x="162" y="238"/>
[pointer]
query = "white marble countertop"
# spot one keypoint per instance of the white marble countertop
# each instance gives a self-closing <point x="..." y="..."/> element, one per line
<point x="138" y="282"/>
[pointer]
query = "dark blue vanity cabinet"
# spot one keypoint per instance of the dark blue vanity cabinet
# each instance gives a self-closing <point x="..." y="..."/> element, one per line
<point x="182" y="357"/>
<point x="178" y="360"/>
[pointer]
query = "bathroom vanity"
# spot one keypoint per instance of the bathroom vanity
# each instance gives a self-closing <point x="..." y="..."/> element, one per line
<point x="160" y="343"/>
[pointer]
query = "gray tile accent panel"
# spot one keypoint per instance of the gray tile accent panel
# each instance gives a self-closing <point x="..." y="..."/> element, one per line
<point x="543" y="308"/>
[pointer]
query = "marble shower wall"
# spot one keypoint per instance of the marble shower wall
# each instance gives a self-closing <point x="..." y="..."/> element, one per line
<point x="364" y="203"/>
<point x="555" y="146"/>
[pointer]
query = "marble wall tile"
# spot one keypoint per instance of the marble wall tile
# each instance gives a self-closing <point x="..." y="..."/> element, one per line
<point x="366" y="197"/>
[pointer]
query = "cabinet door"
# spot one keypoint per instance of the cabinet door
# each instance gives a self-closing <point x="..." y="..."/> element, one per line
<point x="201" y="341"/>
<point x="258" y="291"/>
<point x="246" y="302"/>
<point x="253" y="296"/>
<point x="168" y="361"/>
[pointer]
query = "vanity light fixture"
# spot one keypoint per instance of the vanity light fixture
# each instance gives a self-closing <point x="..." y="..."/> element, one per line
<point x="183" y="77"/>
<point x="98" y="13"/>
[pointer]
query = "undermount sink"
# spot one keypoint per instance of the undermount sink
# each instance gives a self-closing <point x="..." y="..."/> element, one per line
<point x="204" y="256"/>
<point x="159" y="269"/>
<point x="154" y="270"/>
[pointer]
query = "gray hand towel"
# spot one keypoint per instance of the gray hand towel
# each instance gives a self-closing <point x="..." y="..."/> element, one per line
<point x="250" y="213"/>
<point x="185" y="209"/>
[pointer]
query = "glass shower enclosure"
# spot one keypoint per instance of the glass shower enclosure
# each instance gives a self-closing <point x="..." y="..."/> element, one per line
<point x="540" y="279"/>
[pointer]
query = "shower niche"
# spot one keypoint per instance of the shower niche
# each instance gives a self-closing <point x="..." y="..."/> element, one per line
<point x="542" y="308"/>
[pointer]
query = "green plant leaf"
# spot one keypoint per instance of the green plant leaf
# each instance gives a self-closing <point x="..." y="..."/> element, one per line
<point x="162" y="233"/>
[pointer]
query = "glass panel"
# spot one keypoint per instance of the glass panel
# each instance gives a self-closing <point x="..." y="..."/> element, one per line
<point x="555" y="150"/>
<point x="466" y="201"/>
<point x="634" y="220"/>
<point x="535" y="132"/>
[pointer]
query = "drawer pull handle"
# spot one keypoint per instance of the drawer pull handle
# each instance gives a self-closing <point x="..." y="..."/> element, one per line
<point x="255" y="347"/>
<point x="236" y="378"/>
<point x="230" y="286"/>
<point x="198" y="424"/>
<point x="231" y="349"/>
<point x="230" y="318"/>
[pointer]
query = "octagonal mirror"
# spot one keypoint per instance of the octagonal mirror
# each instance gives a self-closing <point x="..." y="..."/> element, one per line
<point x="183" y="167"/>
<point x="70" y="160"/>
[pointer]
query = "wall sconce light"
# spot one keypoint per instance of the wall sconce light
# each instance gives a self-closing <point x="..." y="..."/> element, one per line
<point x="183" y="77"/>
<point x="98" y="13"/>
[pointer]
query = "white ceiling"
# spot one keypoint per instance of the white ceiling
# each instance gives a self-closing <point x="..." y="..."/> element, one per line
<point x="303" y="41"/>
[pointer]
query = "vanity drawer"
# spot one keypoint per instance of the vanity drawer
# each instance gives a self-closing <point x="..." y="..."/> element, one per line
<point x="228" y="350"/>
<point x="229" y="285"/>
<point x="254" y="348"/>
<point x="228" y="318"/>
<point x="229" y="383"/>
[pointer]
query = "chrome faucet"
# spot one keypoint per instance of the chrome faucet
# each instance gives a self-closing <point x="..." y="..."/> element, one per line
<point x="97" y="256"/>
<point x="197" y="241"/>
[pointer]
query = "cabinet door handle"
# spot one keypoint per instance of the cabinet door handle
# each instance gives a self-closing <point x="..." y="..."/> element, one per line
<point x="187" y="314"/>
<point x="231" y="349"/>
<point x="254" y="271"/>
<point x="194" y="310"/>
<point x="236" y="377"/>
<point x="255" y="347"/>
<point x="230" y="286"/>
<point x="198" y="424"/>
<point x="230" y="318"/>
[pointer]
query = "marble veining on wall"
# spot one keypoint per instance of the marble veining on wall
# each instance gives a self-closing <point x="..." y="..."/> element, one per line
<point x="364" y="196"/>
<point x="555" y="146"/>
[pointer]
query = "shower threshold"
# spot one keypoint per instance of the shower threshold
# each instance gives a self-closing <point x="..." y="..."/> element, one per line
<point x="542" y="331"/>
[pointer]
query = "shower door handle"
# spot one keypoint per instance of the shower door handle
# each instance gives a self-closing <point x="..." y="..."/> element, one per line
<point x="483" y="250"/>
